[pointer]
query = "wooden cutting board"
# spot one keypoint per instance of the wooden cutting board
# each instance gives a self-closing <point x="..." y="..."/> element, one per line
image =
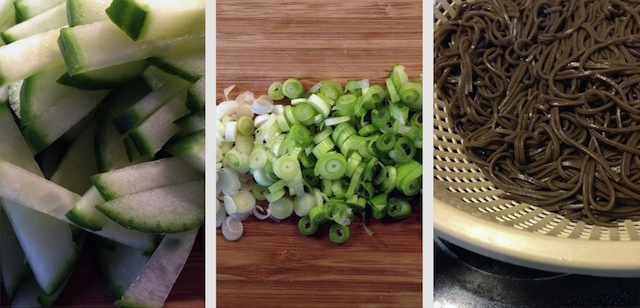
<point x="273" y="265"/>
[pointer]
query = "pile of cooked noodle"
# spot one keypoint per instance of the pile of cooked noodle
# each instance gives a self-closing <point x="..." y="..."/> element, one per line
<point x="546" y="97"/>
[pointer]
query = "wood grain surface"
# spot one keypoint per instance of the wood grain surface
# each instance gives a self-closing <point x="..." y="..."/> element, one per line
<point x="273" y="265"/>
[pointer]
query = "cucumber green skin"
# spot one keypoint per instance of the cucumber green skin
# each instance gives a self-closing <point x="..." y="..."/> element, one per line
<point x="105" y="78"/>
<point x="195" y="97"/>
<point x="167" y="64"/>
<point x="128" y="16"/>
<point x="68" y="46"/>
<point x="78" y="218"/>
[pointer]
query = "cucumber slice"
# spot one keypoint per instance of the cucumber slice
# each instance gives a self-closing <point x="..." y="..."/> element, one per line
<point x="135" y="114"/>
<point x="7" y="14"/>
<point x="195" y="95"/>
<point x="35" y="192"/>
<point x="154" y="132"/>
<point x="187" y="65"/>
<point x="28" y="56"/>
<point x="76" y="167"/>
<point x="167" y="209"/>
<point x="118" y="265"/>
<point x="155" y="77"/>
<point x="40" y="92"/>
<point x="101" y="44"/>
<point x="13" y="90"/>
<point x="53" y="18"/>
<point x="26" y="9"/>
<point x="105" y="78"/>
<point x="82" y="12"/>
<point x="15" y="268"/>
<point x="85" y="215"/>
<point x="159" y="274"/>
<point x="59" y="119"/>
<point x="190" y="123"/>
<point x="191" y="149"/>
<point x="152" y="19"/>
<point x="13" y="147"/>
<point x="144" y="176"/>
<point x="52" y="238"/>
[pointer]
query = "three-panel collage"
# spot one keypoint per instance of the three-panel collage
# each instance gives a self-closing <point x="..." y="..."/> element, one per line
<point x="307" y="182"/>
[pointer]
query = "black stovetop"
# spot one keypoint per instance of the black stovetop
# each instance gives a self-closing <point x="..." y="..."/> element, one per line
<point x="466" y="279"/>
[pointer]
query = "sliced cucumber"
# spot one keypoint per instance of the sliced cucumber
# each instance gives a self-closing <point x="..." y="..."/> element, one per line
<point x="13" y="90"/>
<point x="68" y="112"/>
<point x="152" y="19"/>
<point x="105" y="78"/>
<point x="144" y="176"/>
<point x="195" y="95"/>
<point x="7" y="15"/>
<point x="76" y="167"/>
<point x="28" y="56"/>
<point x="159" y="274"/>
<point x="35" y="192"/>
<point x="190" y="123"/>
<point x="154" y="132"/>
<point x="15" y="268"/>
<point x="13" y="147"/>
<point x="53" y="18"/>
<point x="135" y="114"/>
<point x="166" y="209"/>
<point x="52" y="238"/>
<point x="40" y="92"/>
<point x="101" y="44"/>
<point x="191" y="149"/>
<point x="155" y="77"/>
<point x="118" y="265"/>
<point x="85" y="215"/>
<point x="26" y="9"/>
<point x="82" y="12"/>
<point x="187" y="65"/>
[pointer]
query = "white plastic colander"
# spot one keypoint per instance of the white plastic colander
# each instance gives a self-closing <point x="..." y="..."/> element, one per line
<point x="469" y="212"/>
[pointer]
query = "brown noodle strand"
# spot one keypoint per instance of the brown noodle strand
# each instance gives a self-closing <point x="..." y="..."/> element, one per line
<point x="546" y="97"/>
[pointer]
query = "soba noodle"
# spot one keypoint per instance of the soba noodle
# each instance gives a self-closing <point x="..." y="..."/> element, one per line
<point x="546" y="97"/>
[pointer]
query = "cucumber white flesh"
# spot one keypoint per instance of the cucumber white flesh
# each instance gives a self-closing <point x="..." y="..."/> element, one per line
<point x="76" y="167"/>
<point x="25" y="57"/>
<point x="190" y="123"/>
<point x="53" y="18"/>
<point x="82" y="12"/>
<point x="15" y="268"/>
<point x="58" y="120"/>
<point x="7" y="14"/>
<point x="135" y="114"/>
<point x="52" y="238"/>
<point x="26" y="9"/>
<point x="155" y="77"/>
<point x="144" y="176"/>
<point x="153" y="19"/>
<point x="14" y="97"/>
<point x="159" y="274"/>
<point x="101" y="44"/>
<point x="85" y="215"/>
<point x="118" y="265"/>
<point x="154" y="132"/>
<point x="191" y="149"/>
<point x="110" y="147"/>
<point x="105" y="78"/>
<point x="40" y="92"/>
<point x="166" y="209"/>
<point x="188" y="65"/>
<point x="195" y="95"/>
<point x="35" y="192"/>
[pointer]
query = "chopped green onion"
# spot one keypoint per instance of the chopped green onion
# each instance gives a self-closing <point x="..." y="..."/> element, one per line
<point x="309" y="178"/>
<point x="292" y="88"/>
<point x="258" y="191"/>
<point x="367" y="130"/>
<point x="258" y="158"/>
<point x="409" y="177"/>
<point x="354" y="160"/>
<point x="288" y="113"/>
<point x="411" y="95"/>
<point x="398" y="208"/>
<point x="324" y="133"/>
<point x="330" y="89"/>
<point x="339" y="233"/>
<point x="354" y="183"/>
<point x="306" y="226"/>
<point x="300" y="135"/>
<point x="381" y="118"/>
<point x="378" y="205"/>
<point x="244" y="201"/>
<point x="308" y="160"/>
<point x="318" y="214"/>
<point x="393" y="93"/>
<point x="342" y="132"/>
<point x="276" y="195"/>
<point x="282" y="122"/>
<point x="245" y="125"/>
<point x="275" y="91"/>
<point x="403" y="150"/>
<point x="323" y="147"/>
<point x="296" y="101"/>
<point x="331" y="166"/>
<point x="281" y="209"/>
<point x="398" y="76"/>
<point x="345" y="104"/>
<point x="336" y="120"/>
<point x="320" y="105"/>
<point x="286" y="167"/>
<point x="385" y="143"/>
<point x="373" y="96"/>
<point x="303" y="203"/>
<point x="338" y="188"/>
<point x="304" y="113"/>
<point x="236" y="160"/>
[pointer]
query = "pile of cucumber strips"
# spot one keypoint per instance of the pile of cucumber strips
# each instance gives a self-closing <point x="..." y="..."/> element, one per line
<point x="102" y="144"/>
